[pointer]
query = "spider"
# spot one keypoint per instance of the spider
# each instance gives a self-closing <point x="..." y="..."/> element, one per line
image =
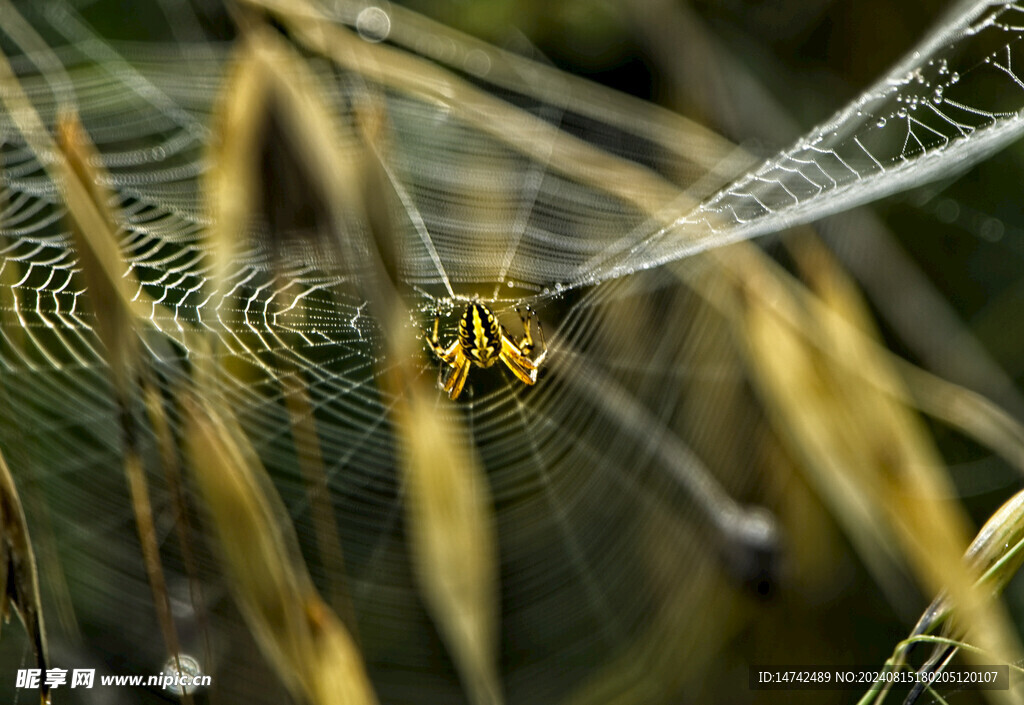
<point x="483" y="341"/>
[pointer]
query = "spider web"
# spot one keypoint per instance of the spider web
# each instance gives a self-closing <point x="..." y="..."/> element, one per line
<point x="594" y="473"/>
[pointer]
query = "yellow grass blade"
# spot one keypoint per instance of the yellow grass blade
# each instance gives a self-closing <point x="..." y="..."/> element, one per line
<point x="94" y="231"/>
<point x="448" y="503"/>
<point x="269" y="81"/>
<point x="93" y="227"/>
<point x="311" y="650"/>
<point x="325" y="528"/>
<point x="827" y="384"/>
<point x="452" y="535"/>
<point x="18" y="574"/>
<point x="531" y="135"/>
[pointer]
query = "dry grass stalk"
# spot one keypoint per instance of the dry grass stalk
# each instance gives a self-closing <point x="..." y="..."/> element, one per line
<point x="826" y="382"/>
<point x="93" y="227"/>
<point x="304" y="641"/>
<point x="448" y="502"/>
<point x="18" y="572"/>
<point x="161" y="426"/>
<point x="267" y="78"/>
<point x="311" y="650"/>
<point x="94" y="230"/>
<point x="996" y="550"/>
<point x="527" y="133"/>
<point x="997" y="553"/>
<point x="447" y="495"/>
<point x="451" y="532"/>
<point x="307" y="448"/>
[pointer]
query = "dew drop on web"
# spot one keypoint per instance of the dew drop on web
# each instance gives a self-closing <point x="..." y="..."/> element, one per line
<point x="189" y="668"/>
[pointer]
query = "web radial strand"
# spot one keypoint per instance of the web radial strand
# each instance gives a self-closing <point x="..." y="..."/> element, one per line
<point x="953" y="101"/>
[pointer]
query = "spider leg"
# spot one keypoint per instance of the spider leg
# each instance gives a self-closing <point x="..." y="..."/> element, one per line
<point x="526" y="345"/>
<point x="446" y="354"/>
<point x="452" y="372"/>
<point x="457" y="379"/>
<point x="521" y="366"/>
<point x="444" y="374"/>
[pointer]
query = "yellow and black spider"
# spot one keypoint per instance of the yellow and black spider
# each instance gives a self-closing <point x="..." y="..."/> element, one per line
<point x="483" y="341"/>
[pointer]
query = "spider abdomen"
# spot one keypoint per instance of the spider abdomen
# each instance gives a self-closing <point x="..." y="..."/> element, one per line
<point x="480" y="335"/>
